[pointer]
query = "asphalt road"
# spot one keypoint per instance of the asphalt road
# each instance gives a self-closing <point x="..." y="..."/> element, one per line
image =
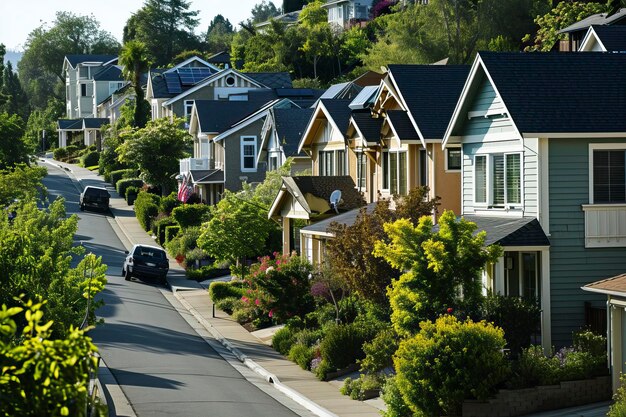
<point x="160" y="362"/>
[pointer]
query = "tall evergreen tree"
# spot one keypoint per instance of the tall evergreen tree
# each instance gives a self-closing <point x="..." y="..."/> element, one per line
<point x="16" y="99"/>
<point x="134" y="58"/>
<point x="165" y="27"/>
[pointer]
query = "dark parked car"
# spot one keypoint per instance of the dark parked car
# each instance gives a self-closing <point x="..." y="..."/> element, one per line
<point x="146" y="261"/>
<point x="96" y="197"/>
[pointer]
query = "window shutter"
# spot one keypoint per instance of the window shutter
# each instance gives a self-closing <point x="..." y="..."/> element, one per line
<point x="480" y="179"/>
<point x="513" y="179"/>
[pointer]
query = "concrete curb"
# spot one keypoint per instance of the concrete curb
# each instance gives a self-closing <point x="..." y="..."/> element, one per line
<point x="269" y="377"/>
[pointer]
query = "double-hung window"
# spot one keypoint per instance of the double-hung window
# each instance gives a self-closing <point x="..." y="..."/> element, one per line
<point x="361" y="170"/>
<point x="609" y="176"/>
<point x="248" y="153"/>
<point x="498" y="180"/>
<point x="332" y="162"/>
<point x="394" y="166"/>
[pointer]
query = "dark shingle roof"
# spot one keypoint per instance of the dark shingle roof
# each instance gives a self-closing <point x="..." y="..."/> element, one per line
<point x="218" y="116"/>
<point x="271" y="79"/>
<point x="561" y="92"/>
<point x="595" y="19"/>
<point x="402" y="125"/>
<point x="70" y="124"/>
<point x="95" y="122"/>
<point x="290" y="126"/>
<point x="109" y="73"/>
<point x="207" y="176"/>
<point x="368" y="125"/>
<point x="347" y="219"/>
<point x="431" y="93"/>
<point x="303" y="97"/>
<point x="507" y="231"/>
<point x="322" y="187"/>
<point x="77" y="59"/>
<point x="612" y="37"/>
<point x="339" y="111"/>
<point x="159" y="87"/>
<point x="219" y="58"/>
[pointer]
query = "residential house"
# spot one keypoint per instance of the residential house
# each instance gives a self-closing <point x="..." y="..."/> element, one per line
<point x="543" y="141"/>
<point x="220" y="60"/>
<point x="286" y="19"/>
<point x="347" y="13"/>
<point x="213" y="169"/>
<point x="575" y="33"/>
<point x="604" y="39"/>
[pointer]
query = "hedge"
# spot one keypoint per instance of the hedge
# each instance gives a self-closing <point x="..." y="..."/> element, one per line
<point x="189" y="215"/>
<point x="131" y="195"/>
<point x="59" y="154"/>
<point x="123" y="184"/>
<point x="146" y="209"/>
<point x="343" y="345"/>
<point x="115" y="176"/>
<point x="169" y="203"/>
<point x="220" y="290"/>
<point x="72" y="151"/>
<point x="171" y="232"/>
<point x="90" y="159"/>
<point x="160" y="228"/>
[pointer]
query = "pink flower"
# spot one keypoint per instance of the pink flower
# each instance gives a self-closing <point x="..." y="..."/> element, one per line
<point x="271" y="313"/>
<point x="257" y="302"/>
<point x="244" y="299"/>
<point x="450" y="310"/>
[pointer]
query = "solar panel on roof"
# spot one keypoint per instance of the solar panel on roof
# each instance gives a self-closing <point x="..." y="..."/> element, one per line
<point x="193" y="75"/>
<point x="172" y="83"/>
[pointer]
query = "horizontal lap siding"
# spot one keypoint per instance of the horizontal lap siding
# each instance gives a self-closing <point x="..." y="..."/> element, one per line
<point x="571" y="264"/>
<point x="531" y="177"/>
<point x="487" y="100"/>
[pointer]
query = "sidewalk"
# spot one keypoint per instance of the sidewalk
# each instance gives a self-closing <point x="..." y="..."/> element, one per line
<point x="322" y="398"/>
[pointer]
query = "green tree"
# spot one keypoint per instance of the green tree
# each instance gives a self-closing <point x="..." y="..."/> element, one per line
<point x="156" y="149"/>
<point x="165" y="27"/>
<point x="264" y="11"/>
<point x="41" y="120"/>
<point x="16" y="100"/>
<point x="12" y="148"/>
<point x="219" y="34"/>
<point x="134" y="58"/>
<point x="42" y="375"/>
<point x="440" y="266"/>
<point x="318" y="37"/>
<point x="20" y="183"/>
<point x="40" y="69"/>
<point x="564" y="14"/>
<point x="238" y="229"/>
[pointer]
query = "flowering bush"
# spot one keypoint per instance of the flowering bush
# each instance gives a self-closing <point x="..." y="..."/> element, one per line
<point x="280" y="286"/>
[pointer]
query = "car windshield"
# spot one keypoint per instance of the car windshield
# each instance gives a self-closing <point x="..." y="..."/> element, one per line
<point x="150" y="253"/>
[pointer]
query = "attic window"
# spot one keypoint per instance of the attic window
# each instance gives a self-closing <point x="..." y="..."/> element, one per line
<point x="230" y="81"/>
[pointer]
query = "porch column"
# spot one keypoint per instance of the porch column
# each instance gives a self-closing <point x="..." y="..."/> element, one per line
<point x="616" y="345"/>
<point x="286" y="235"/>
<point x="546" y="313"/>
<point x="499" y="276"/>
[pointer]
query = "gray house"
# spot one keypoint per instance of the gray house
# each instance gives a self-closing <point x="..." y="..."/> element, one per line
<point x="543" y="142"/>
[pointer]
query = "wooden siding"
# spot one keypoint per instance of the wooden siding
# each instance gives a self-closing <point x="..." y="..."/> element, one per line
<point x="573" y="266"/>
<point x="232" y="152"/>
<point x="488" y="114"/>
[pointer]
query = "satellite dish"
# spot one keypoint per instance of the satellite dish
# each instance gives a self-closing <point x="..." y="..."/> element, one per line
<point x="335" y="199"/>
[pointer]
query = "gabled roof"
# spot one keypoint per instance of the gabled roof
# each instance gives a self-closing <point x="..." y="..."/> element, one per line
<point x="429" y="93"/>
<point x="348" y="90"/>
<point x="70" y="124"/>
<point x="215" y="117"/>
<point x="109" y="73"/>
<point x="256" y="115"/>
<point x="290" y="125"/>
<point x="401" y="125"/>
<point x="369" y="127"/>
<point x="347" y="219"/>
<point x="303" y="97"/>
<point x="313" y="193"/>
<point x="207" y="176"/>
<point x="272" y="79"/>
<point x="339" y="112"/>
<point x="74" y="60"/>
<point x="369" y="78"/>
<point x="561" y="92"/>
<point x="219" y="58"/>
<point x="365" y="98"/>
<point x="507" y="231"/>
<point x="611" y="286"/>
<point x="95" y="122"/>
<point x="611" y="38"/>
<point x="193" y="61"/>
<point x="595" y="19"/>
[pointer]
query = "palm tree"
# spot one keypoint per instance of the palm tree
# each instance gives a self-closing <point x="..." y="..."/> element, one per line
<point x="134" y="56"/>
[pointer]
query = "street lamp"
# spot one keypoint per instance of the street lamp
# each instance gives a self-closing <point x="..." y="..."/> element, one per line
<point x="43" y="140"/>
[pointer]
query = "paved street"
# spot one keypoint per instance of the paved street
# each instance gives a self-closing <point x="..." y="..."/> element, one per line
<point x="160" y="362"/>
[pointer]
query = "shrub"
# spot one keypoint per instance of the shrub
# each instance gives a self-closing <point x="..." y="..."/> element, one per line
<point x="131" y="195"/>
<point x="534" y="368"/>
<point x="59" y="154"/>
<point x="189" y="215"/>
<point x="342" y="345"/>
<point x="357" y="388"/>
<point x="396" y="405"/>
<point x="160" y="226"/>
<point x="195" y="254"/>
<point x="171" y="232"/>
<point x="228" y="304"/>
<point x="220" y="290"/>
<point x="117" y="175"/>
<point x="90" y="159"/>
<point x="146" y="209"/>
<point x="302" y="355"/>
<point x="449" y="361"/>
<point x="379" y="352"/>
<point x="123" y="184"/>
<point x="321" y="368"/>
<point x="618" y="408"/>
<point x="184" y="242"/>
<point x="518" y="317"/>
<point x="72" y="151"/>
<point x="204" y="272"/>
<point x="169" y="203"/>
<point x="283" y="339"/>
<point x="309" y="337"/>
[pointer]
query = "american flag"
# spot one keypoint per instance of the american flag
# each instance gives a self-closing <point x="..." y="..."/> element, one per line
<point x="184" y="189"/>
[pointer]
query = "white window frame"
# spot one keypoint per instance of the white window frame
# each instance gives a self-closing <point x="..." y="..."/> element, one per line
<point x="247" y="141"/>
<point x="397" y="152"/>
<point x="447" y="158"/>
<point x="601" y="147"/>
<point x="188" y="106"/>
<point x="489" y="204"/>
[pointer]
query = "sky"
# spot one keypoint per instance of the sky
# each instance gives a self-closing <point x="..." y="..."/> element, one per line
<point x="19" y="17"/>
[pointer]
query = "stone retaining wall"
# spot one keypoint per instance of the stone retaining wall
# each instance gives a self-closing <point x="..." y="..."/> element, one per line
<point x="509" y="403"/>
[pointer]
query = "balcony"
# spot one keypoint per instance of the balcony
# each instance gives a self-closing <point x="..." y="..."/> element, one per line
<point x="605" y="225"/>
<point x="193" y="164"/>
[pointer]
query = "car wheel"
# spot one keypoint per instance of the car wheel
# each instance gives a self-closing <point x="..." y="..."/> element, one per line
<point x="127" y="275"/>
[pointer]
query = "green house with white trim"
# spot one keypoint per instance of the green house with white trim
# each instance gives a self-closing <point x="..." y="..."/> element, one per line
<point x="543" y="139"/>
